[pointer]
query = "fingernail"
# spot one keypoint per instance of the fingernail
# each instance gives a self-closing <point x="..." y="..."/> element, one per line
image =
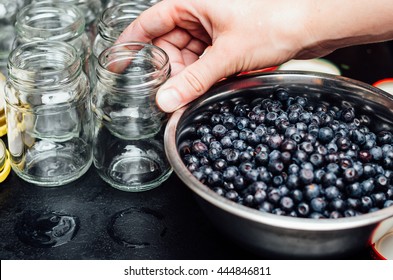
<point x="168" y="100"/>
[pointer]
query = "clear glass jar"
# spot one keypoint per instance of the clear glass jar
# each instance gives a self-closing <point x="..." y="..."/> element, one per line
<point x="8" y="11"/>
<point x="128" y="143"/>
<point x="111" y="24"/>
<point x="91" y="9"/>
<point x="54" y="22"/>
<point x="49" y="121"/>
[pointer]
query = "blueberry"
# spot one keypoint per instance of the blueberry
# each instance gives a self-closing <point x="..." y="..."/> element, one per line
<point x="317" y="160"/>
<point x="303" y="209"/>
<point x="388" y="203"/>
<point x="325" y="134"/>
<point x="242" y="122"/>
<point x="239" y="182"/>
<point x="332" y="192"/>
<point x="350" y="175"/>
<point x="357" y="137"/>
<point x="252" y="176"/>
<point x="288" y="145"/>
<point x="207" y="139"/>
<point x="378" y="199"/>
<point x="354" y="190"/>
<point x="329" y="179"/>
<point x="347" y="114"/>
<point x="215" y="145"/>
<point x="273" y="195"/>
<point x="296" y="195"/>
<point x="367" y="186"/>
<point x="376" y="153"/>
<point x="353" y="203"/>
<point x="266" y="207"/>
<point x="216" y="119"/>
<point x="220" y="165"/>
<point x="215" y="179"/>
<point x="281" y="95"/>
<point x="259" y="197"/>
<point x="232" y="195"/>
<point x="229" y="121"/>
<point x="366" y="204"/>
<point x="219" y="191"/>
<point x="276" y="166"/>
<point x="214" y="154"/>
<point x="245" y="156"/>
<point x="311" y="191"/>
<point x="265" y="176"/>
<point x="381" y="182"/>
<point x="203" y="130"/>
<point x="306" y="176"/>
<point x="232" y="157"/>
<point x="299" y="157"/>
<point x="293" y="181"/>
<point x="293" y="169"/>
<point x="232" y="134"/>
<point x="226" y="142"/>
<point x="239" y="145"/>
<point x="338" y="204"/>
<point x="262" y="158"/>
<point x="384" y="137"/>
<point x="274" y="141"/>
<point x="199" y="148"/>
<point x="230" y="173"/>
<point x="318" y="204"/>
<point x="286" y="204"/>
<point x="306" y="147"/>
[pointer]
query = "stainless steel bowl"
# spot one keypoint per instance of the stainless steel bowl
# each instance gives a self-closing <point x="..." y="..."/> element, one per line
<point x="267" y="233"/>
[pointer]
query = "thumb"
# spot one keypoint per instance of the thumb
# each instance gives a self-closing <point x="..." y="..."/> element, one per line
<point x="192" y="81"/>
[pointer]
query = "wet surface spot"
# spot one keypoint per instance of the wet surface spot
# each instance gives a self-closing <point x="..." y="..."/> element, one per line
<point x="137" y="227"/>
<point x="48" y="229"/>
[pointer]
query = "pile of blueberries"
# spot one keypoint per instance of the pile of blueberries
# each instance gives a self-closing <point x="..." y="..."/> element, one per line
<point x="288" y="156"/>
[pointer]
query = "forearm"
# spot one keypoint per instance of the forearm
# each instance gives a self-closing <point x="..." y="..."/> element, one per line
<point x="335" y="23"/>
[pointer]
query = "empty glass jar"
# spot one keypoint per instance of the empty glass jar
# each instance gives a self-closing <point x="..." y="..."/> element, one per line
<point x="91" y="10"/>
<point x="111" y="24"/>
<point x="54" y="22"/>
<point x="49" y="124"/>
<point x="128" y="143"/>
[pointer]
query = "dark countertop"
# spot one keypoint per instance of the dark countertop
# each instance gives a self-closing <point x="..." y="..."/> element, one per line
<point x="163" y="223"/>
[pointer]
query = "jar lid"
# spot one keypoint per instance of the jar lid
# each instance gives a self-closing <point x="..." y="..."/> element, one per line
<point x="315" y="65"/>
<point x="385" y="84"/>
<point x="383" y="248"/>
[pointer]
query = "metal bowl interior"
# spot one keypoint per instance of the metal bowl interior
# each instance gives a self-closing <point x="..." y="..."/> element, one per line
<point x="269" y="233"/>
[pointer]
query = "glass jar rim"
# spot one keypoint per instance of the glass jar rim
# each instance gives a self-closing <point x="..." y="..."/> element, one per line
<point x="127" y="47"/>
<point x="74" y="29"/>
<point x="107" y="22"/>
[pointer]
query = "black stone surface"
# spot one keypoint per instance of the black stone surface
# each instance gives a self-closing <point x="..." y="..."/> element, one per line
<point x="163" y="223"/>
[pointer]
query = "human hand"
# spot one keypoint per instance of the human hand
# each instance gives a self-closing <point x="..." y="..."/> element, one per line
<point x="210" y="40"/>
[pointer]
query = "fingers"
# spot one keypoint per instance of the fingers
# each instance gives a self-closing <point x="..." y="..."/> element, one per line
<point x="192" y="81"/>
<point x="144" y="29"/>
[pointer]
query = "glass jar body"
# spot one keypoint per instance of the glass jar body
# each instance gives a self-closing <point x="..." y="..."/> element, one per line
<point x="48" y="112"/>
<point x="128" y="141"/>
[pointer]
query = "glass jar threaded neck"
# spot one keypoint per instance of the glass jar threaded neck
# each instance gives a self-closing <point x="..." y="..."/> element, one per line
<point x="133" y="66"/>
<point x="49" y="21"/>
<point x="115" y="19"/>
<point x="44" y="65"/>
